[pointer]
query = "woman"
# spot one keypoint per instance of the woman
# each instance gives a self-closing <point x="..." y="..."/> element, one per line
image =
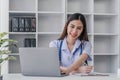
<point x="74" y="46"/>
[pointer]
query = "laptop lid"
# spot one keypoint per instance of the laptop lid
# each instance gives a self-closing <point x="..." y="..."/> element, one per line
<point x="39" y="61"/>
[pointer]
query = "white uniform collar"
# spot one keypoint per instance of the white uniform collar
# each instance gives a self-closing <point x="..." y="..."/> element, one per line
<point x="65" y="46"/>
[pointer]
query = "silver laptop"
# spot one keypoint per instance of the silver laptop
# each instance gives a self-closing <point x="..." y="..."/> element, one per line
<point x="40" y="62"/>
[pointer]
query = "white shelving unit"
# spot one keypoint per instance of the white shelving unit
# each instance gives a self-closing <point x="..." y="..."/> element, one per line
<point x="102" y="18"/>
<point x="106" y="35"/>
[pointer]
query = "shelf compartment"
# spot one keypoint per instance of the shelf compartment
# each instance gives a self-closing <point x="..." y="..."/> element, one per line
<point x="27" y="22"/>
<point x="106" y="24"/>
<point x="14" y="65"/>
<point x="105" y="6"/>
<point x="50" y="22"/>
<point x="45" y="39"/>
<point x="89" y="20"/>
<point x="20" y="41"/>
<point x="22" y="5"/>
<point x="82" y="6"/>
<point x="105" y="63"/>
<point x="106" y="44"/>
<point x="50" y="5"/>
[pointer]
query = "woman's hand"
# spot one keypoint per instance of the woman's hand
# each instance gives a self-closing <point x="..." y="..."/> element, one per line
<point x="85" y="69"/>
<point x="64" y="70"/>
<point x="82" y="69"/>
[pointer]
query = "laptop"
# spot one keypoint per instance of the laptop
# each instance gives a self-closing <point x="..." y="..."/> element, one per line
<point x="40" y="62"/>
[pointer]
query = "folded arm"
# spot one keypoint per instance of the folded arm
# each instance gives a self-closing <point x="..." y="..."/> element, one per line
<point x="77" y="66"/>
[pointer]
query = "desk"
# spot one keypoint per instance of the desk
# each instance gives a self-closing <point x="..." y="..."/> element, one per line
<point x="71" y="77"/>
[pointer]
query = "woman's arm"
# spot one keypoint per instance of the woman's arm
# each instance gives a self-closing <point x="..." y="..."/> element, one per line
<point x="81" y="59"/>
<point x="76" y="65"/>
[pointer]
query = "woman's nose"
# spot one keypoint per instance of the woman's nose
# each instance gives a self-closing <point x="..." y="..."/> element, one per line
<point x="74" y="30"/>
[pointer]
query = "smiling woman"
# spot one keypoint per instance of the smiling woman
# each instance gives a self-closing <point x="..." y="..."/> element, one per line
<point x="74" y="46"/>
<point x="75" y="29"/>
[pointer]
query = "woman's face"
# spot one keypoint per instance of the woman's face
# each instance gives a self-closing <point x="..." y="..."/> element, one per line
<point x="74" y="29"/>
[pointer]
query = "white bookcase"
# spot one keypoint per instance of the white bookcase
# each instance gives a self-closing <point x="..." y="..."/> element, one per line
<point x="102" y="18"/>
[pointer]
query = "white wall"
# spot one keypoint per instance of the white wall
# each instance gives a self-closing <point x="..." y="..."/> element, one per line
<point x="3" y="27"/>
<point x="3" y="15"/>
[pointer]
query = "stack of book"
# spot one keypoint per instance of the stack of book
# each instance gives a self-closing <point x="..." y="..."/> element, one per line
<point x="29" y="42"/>
<point x="23" y="24"/>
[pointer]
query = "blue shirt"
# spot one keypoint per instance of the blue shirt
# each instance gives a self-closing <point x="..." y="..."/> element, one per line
<point x="67" y="57"/>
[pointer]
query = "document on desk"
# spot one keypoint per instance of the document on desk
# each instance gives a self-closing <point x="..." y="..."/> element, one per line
<point x="92" y="74"/>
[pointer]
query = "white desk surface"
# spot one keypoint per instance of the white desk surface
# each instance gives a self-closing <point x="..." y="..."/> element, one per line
<point x="70" y="77"/>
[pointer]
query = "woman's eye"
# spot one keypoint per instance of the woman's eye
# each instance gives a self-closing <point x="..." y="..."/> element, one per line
<point x="79" y="28"/>
<point x="72" y="26"/>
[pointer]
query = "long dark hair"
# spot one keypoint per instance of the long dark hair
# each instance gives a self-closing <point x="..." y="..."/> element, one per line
<point x="76" y="16"/>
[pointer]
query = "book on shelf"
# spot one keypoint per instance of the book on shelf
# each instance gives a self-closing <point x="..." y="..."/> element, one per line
<point x="33" y="42"/>
<point x="27" y="24"/>
<point x="29" y="42"/>
<point x="21" y="24"/>
<point x="14" y="24"/>
<point x="33" y="25"/>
